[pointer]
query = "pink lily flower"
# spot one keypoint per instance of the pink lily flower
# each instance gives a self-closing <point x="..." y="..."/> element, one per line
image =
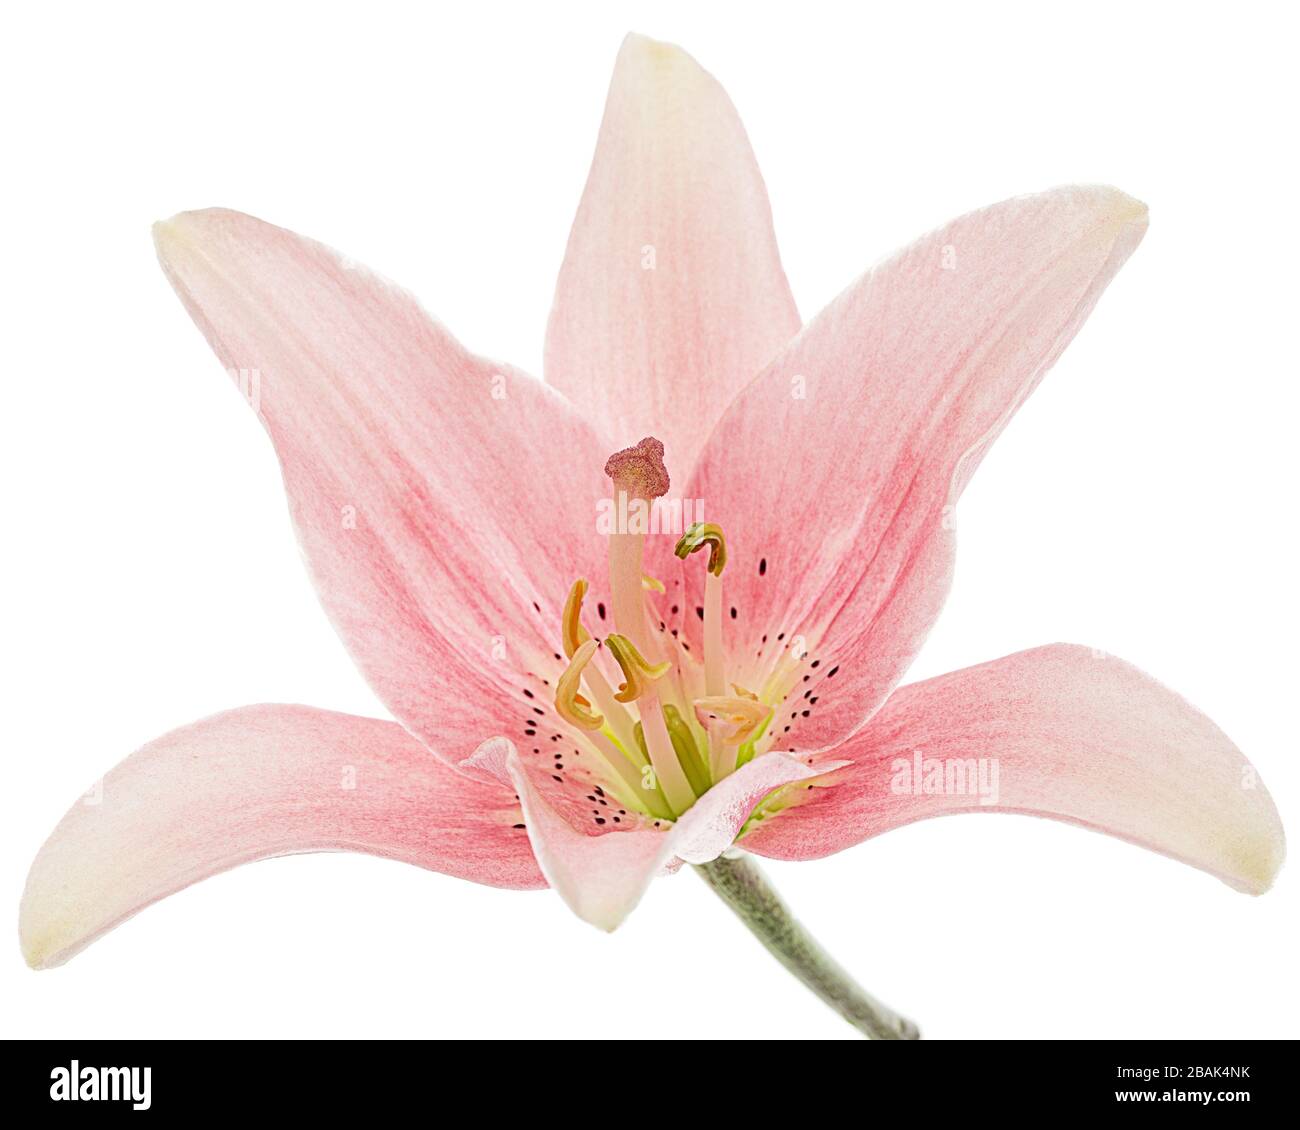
<point x="587" y="706"/>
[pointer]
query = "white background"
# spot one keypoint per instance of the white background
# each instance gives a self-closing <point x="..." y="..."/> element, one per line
<point x="1144" y="501"/>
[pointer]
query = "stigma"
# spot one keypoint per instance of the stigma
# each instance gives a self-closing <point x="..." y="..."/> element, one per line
<point x="639" y="470"/>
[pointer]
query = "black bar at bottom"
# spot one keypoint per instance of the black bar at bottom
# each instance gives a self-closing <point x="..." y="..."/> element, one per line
<point x="164" y="1079"/>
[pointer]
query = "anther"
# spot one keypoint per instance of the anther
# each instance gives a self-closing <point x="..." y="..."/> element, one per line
<point x="569" y="703"/>
<point x="571" y="629"/>
<point x="745" y="715"/>
<point x="697" y="537"/>
<point x="638" y="673"/>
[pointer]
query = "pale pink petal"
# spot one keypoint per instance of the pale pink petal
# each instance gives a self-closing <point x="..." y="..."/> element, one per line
<point x="1071" y="734"/>
<point x="834" y="474"/>
<point x="603" y="876"/>
<point x="445" y="503"/>
<point x="671" y="297"/>
<point x="253" y="783"/>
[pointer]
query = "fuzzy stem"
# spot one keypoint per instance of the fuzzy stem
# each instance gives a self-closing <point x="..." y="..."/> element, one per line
<point x="738" y="881"/>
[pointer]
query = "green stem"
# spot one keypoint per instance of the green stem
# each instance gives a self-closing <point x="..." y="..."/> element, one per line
<point x="743" y="887"/>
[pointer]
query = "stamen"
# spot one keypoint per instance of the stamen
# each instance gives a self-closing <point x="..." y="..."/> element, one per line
<point x="571" y="629"/>
<point x="696" y="538"/>
<point x="700" y="535"/>
<point x="627" y="781"/>
<point x="731" y="722"/>
<point x="566" y="691"/>
<point x="714" y="677"/>
<point x="745" y="715"/>
<point x="574" y="635"/>
<point x="574" y="707"/>
<point x="722" y="757"/>
<point x="638" y="674"/>
<point x="663" y="757"/>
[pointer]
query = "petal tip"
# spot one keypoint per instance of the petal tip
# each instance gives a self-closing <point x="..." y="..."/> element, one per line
<point x="32" y="955"/>
<point x="1127" y="213"/>
<point x="39" y="960"/>
<point x="651" y="61"/>
<point x="653" y="50"/>
<point x="1127" y="207"/>
<point x="41" y="949"/>
<point x="187" y="228"/>
<point x="176" y="232"/>
<point x="165" y="233"/>
<point x="1259" y="863"/>
<point x="1111" y="212"/>
<point x="1133" y="216"/>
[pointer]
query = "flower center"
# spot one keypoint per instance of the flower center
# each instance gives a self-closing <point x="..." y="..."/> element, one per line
<point x="666" y="728"/>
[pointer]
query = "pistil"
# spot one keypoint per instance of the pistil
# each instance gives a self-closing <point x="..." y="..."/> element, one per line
<point x="639" y="477"/>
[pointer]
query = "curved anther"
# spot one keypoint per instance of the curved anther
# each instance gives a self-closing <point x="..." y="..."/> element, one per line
<point x="572" y="632"/>
<point x="638" y="673"/>
<point x="745" y="715"/>
<point x="697" y="537"/>
<point x="569" y="703"/>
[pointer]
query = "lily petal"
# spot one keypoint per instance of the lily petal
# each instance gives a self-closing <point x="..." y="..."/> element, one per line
<point x="672" y="296"/>
<point x="444" y="503"/>
<point x="1073" y="734"/>
<point x="253" y="783"/>
<point x="603" y="876"/>
<point x="835" y="473"/>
